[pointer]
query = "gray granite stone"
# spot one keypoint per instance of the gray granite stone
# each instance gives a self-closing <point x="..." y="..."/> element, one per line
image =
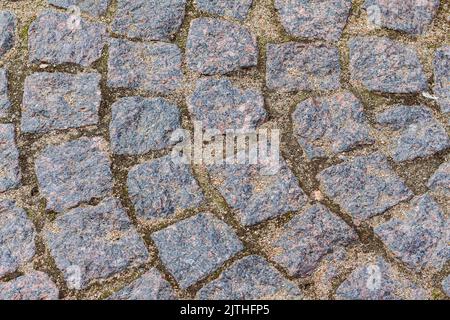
<point x="307" y="238"/>
<point x="92" y="7"/>
<point x="196" y="247"/>
<point x="237" y="9"/>
<point x="139" y="125"/>
<point x="8" y="23"/>
<point x="94" y="242"/>
<point x="74" y="172"/>
<point x="440" y="180"/>
<point x="420" y="239"/>
<point x="323" y="19"/>
<point x="52" y="39"/>
<point x="161" y="188"/>
<point x="216" y="46"/>
<point x="384" y="65"/>
<point x="416" y="134"/>
<point x="153" y="67"/>
<point x="442" y="77"/>
<point x="148" y="19"/>
<point x="296" y="66"/>
<point x="220" y="105"/>
<point x="17" y="235"/>
<point x="5" y="104"/>
<point x="33" y="286"/>
<point x="251" y="278"/>
<point x="10" y="175"/>
<point x="150" y="286"/>
<point x="446" y="286"/>
<point x="364" y="186"/>
<point x="325" y="126"/>
<point x="56" y="101"/>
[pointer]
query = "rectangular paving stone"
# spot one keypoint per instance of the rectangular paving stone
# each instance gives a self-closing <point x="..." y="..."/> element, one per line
<point x="251" y="278"/>
<point x="35" y="285"/>
<point x="440" y="180"/>
<point x="74" y="172"/>
<point x="441" y="66"/>
<point x="196" y="247"/>
<point x="10" y="175"/>
<point x="56" y="101"/>
<point x="8" y="23"/>
<point x="364" y="186"/>
<point x="295" y="66"/>
<point x="53" y="39"/>
<point x="5" y="104"/>
<point x="94" y="242"/>
<point x="153" y="67"/>
<point x="237" y="9"/>
<point x="92" y="7"/>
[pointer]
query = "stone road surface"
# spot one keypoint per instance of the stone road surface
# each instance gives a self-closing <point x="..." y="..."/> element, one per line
<point x="92" y="205"/>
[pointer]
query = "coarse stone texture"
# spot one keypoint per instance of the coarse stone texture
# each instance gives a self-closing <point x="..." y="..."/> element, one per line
<point x="420" y="238"/>
<point x="440" y="180"/>
<point x="324" y="19"/>
<point x="160" y="188"/>
<point x="414" y="133"/>
<point x="325" y="126"/>
<point x="254" y="195"/>
<point x="385" y="65"/>
<point x="251" y="278"/>
<point x="52" y="39"/>
<point x="139" y="125"/>
<point x="94" y="242"/>
<point x="446" y="286"/>
<point x="17" y="236"/>
<point x="148" y="19"/>
<point x="364" y="186"/>
<point x="92" y="7"/>
<point x="10" y="175"/>
<point x="442" y="78"/>
<point x="216" y="46"/>
<point x="377" y="281"/>
<point x="196" y="247"/>
<point x="56" y="101"/>
<point x="5" y="104"/>
<point x="33" y="286"/>
<point x="294" y="66"/>
<point x="153" y="67"/>
<point x="219" y="105"/>
<point x="150" y="286"/>
<point x="411" y="16"/>
<point x="74" y="172"/>
<point x="237" y="9"/>
<point x="306" y="239"/>
<point x="8" y="23"/>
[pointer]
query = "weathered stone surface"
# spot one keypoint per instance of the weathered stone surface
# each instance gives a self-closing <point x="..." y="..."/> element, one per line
<point x="153" y="67"/>
<point x="159" y="188"/>
<point x="251" y="278"/>
<point x="219" y="105"/>
<point x="306" y="239"/>
<point x="377" y="281"/>
<point x="217" y="46"/>
<point x="413" y="133"/>
<point x="195" y="247"/>
<point x="325" y="126"/>
<point x="9" y="159"/>
<point x="139" y="125"/>
<point x="74" y="172"/>
<point x="149" y="19"/>
<point x="420" y="239"/>
<point x="314" y="19"/>
<point x="33" y="286"/>
<point x="53" y="39"/>
<point x="94" y="242"/>
<point x="7" y="31"/>
<point x="442" y="77"/>
<point x="364" y="186"/>
<point x="254" y="195"/>
<point x="440" y="180"/>
<point x="295" y="66"/>
<point x="411" y="16"/>
<point x="237" y="9"/>
<point x="5" y="104"/>
<point x="150" y="286"/>
<point x="385" y="65"/>
<point x="446" y="286"/>
<point x="17" y="236"/>
<point x="55" y="101"/>
<point x="92" y="7"/>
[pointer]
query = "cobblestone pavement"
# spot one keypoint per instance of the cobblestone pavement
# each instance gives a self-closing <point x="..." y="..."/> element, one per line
<point x="92" y="205"/>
